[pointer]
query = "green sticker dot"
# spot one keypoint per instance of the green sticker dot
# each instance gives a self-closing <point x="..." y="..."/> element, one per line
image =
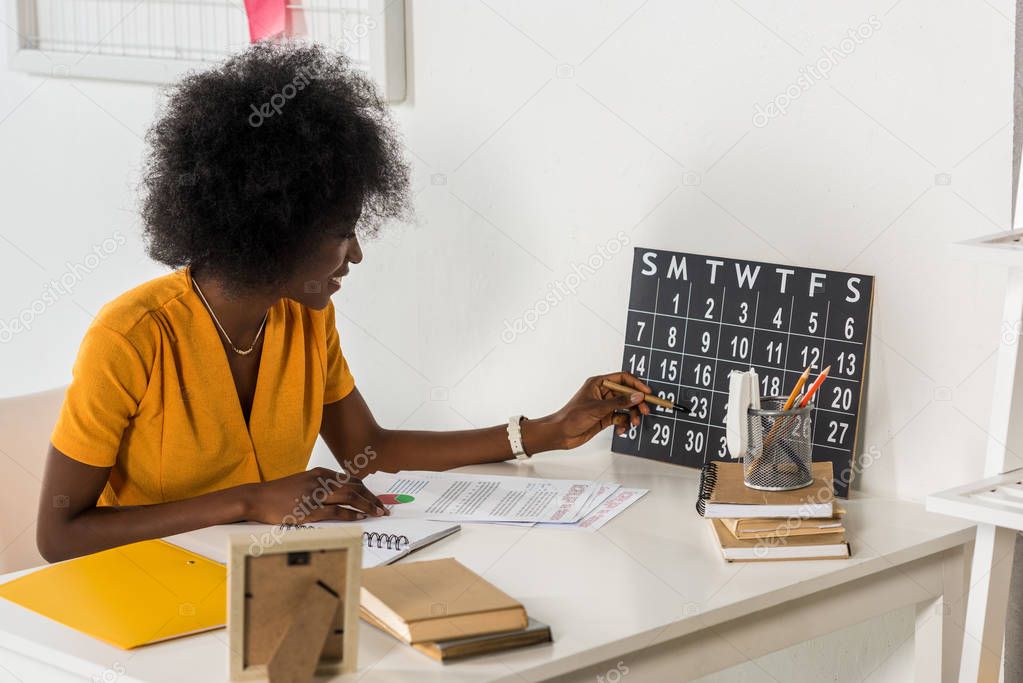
<point x="403" y="498"/>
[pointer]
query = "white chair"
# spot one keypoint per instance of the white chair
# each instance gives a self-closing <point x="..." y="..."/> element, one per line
<point x="26" y="423"/>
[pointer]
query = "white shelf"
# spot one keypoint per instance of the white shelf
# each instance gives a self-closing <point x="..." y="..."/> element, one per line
<point x="1004" y="248"/>
<point x="962" y="502"/>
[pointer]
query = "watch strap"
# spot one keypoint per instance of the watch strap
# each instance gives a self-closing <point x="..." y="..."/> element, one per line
<point x="515" y="437"/>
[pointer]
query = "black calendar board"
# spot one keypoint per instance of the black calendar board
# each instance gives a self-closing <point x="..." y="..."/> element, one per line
<point x="693" y="319"/>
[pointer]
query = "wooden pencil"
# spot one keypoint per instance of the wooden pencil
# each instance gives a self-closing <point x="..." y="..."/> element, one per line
<point x="649" y="398"/>
<point x="795" y="390"/>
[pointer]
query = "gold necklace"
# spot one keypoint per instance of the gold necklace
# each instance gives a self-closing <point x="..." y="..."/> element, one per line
<point x="220" y="327"/>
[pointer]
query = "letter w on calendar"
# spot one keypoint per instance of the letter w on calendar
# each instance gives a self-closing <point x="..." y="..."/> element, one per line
<point x="481" y="498"/>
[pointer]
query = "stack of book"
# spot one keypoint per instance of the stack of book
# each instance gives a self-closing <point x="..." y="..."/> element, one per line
<point x="446" y="610"/>
<point x="752" y="525"/>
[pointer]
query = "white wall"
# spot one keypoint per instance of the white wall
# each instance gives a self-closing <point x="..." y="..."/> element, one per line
<point x="539" y="132"/>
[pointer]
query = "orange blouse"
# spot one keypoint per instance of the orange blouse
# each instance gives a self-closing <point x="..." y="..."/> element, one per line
<point x="153" y="398"/>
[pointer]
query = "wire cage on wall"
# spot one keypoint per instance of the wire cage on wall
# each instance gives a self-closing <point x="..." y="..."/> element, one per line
<point x="156" y="41"/>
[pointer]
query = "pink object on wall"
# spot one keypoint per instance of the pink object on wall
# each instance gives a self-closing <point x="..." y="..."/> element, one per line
<point x="267" y="18"/>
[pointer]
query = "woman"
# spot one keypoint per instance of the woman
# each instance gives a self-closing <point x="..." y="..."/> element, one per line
<point x="197" y="397"/>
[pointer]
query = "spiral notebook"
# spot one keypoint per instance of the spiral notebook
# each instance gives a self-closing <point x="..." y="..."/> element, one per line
<point x="724" y="494"/>
<point x="385" y="540"/>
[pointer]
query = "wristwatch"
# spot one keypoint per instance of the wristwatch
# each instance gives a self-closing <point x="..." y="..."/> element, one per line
<point x="515" y="437"/>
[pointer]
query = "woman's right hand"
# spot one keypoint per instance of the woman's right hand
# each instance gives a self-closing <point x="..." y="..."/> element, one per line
<point x="315" y="495"/>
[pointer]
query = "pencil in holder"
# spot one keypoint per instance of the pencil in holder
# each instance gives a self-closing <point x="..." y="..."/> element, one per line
<point x="778" y="455"/>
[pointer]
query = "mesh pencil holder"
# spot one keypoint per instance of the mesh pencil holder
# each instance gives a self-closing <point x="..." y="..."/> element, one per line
<point x="778" y="453"/>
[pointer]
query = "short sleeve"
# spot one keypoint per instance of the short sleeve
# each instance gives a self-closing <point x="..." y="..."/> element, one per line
<point x="339" y="382"/>
<point x="108" y="381"/>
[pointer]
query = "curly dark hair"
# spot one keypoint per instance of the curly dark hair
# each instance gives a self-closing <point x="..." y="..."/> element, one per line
<point x="255" y="160"/>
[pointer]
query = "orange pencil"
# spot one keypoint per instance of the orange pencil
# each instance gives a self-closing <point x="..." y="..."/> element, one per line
<point x="788" y="404"/>
<point x="795" y="390"/>
<point x="814" y="387"/>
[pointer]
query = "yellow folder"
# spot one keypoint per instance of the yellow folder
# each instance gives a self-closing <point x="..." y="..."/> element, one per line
<point x="128" y="596"/>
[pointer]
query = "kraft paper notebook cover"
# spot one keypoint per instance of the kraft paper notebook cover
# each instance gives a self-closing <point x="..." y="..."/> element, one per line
<point x="724" y="494"/>
<point x="769" y="528"/>
<point x="128" y="596"/>
<point x="437" y="600"/>
<point x="819" y="547"/>
<point x="446" y="650"/>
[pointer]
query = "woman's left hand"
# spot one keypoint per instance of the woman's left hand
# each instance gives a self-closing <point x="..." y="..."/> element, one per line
<point x="589" y="412"/>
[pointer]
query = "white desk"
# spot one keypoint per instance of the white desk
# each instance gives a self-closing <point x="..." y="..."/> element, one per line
<point x="650" y="588"/>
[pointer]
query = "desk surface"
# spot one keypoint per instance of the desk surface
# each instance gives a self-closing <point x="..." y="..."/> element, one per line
<point x="651" y="575"/>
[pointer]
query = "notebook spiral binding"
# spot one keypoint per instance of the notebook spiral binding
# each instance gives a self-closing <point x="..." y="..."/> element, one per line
<point x="373" y="539"/>
<point x="708" y="478"/>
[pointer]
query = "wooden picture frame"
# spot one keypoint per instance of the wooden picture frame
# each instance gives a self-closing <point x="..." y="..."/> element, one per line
<point x="293" y="603"/>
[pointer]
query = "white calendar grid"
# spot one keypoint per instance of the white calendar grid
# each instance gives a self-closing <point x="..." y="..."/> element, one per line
<point x="717" y="394"/>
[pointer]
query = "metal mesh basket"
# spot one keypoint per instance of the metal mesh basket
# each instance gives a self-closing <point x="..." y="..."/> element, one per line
<point x="778" y="457"/>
